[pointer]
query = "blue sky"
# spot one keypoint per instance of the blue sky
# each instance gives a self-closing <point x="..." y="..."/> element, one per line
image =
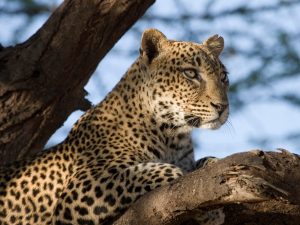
<point x="257" y="119"/>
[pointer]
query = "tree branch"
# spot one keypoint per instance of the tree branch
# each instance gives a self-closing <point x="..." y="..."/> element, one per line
<point x="42" y="80"/>
<point x="251" y="188"/>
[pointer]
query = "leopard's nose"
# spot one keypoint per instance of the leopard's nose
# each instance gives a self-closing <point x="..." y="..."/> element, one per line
<point x="219" y="107"/>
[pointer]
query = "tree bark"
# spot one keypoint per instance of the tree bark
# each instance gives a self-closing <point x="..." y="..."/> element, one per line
<point x="42" y="79"/>
<point x="252" y="188"/>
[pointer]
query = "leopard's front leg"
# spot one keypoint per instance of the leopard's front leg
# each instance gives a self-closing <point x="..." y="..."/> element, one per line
<point x="117" y="188"/>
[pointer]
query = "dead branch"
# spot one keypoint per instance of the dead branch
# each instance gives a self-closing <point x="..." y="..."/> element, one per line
<point x="252" y="188"/>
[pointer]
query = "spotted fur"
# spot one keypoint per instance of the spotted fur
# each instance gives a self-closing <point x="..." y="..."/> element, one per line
<point x="138" y="138"/>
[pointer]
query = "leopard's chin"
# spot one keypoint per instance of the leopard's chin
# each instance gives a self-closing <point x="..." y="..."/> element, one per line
<point x="212" y="125"/>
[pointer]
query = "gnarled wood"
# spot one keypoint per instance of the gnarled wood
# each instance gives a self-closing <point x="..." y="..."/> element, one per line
<point x="253" y="188"/>
<point x="42" y="80"/>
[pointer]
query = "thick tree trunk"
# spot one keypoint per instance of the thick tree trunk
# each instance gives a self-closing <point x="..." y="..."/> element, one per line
<point x="252" y="188"/>
<point x="42" y="80"/>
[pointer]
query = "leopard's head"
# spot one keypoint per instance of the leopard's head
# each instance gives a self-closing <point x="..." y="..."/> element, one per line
<point x="186" y="82"/>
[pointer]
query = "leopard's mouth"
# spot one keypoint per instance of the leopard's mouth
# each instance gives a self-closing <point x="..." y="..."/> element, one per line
<point x="193" y="121"/>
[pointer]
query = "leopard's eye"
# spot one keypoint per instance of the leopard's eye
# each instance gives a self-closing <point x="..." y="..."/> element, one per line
<point x="224" y="77"/>
<point x="191" y="73"/>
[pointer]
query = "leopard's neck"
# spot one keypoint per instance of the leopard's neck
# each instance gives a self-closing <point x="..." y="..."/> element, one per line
<point x="126" y="111"/>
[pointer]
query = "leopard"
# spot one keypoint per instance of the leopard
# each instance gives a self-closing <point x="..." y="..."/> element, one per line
<point x="136" y="139"/>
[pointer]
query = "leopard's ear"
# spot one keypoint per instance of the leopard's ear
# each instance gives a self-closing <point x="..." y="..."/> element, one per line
<point x="215" y="44"/>
<point x="151" y="45"/>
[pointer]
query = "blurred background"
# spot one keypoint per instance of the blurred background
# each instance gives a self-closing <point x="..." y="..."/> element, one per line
<point x="262" y="55"/>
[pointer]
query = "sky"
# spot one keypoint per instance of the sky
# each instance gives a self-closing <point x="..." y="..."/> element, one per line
<point x="255" y="120"/>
